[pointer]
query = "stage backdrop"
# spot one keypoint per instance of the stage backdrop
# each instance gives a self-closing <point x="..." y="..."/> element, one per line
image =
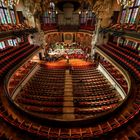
<point x="68" y="37"/>
<point x="84" y="39"/>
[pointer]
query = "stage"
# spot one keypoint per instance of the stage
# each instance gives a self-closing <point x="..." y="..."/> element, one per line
<point x="72" y="62"/>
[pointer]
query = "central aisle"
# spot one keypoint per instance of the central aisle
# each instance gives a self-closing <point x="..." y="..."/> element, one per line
<point x="68" y="109"/>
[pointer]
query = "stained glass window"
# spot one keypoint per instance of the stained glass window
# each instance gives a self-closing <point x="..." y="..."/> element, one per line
<point x="2" y="17"/>
<point x="83" y="17"/>
<point x="129" y="15"/>
<point x="139" y="48"/>
<point x="7" y="15"/>
<point x="121" y="41"/>
<point x="137" y="3"/>
<point x="2" y="45"/>
<point x="89" y="14"/>
<point x="10" y="42"/>
<point x="3" y="3"/>
<point x="14" y="42"/>
<point x="50" y="16"/>
<point x="47" y="17"/>
<point x="19" y="39"/>
<point x="125" y="43"/>
<point x="87" y="17"/>
<point x="134" y="15"/>
<point x="123" y="16"/>
<point x="115" y="39"/>
<point x="13" y="16"/>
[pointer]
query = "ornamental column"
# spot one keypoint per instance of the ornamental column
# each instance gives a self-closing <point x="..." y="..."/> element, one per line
<point x="95" y="37"/>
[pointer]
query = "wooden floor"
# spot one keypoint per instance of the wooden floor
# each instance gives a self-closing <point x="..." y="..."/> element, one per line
<point x="72" y="62"/>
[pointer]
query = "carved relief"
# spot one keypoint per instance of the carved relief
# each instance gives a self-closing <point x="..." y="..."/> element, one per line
<point x="28" y="8"/>
<point x="103" y="8"/>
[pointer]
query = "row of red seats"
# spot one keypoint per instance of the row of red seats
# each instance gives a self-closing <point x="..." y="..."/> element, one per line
<point x="93" y="93"/>
<point x="41" y="98"/>
<point x="96" y="97"/>
<point x="16" y="52"/>
<point x="10" y="50"/>
<point x="87" y="67"/>
<point x="126" y="27"/>
<point x="122" y="59"/>
<point x="19" y="75"/>
<point x="130" y="59"/>
<point x="3" y="50"/>
<point x="69" y="133"/>
<point x="90" y="104"/>
<point x="15" y="58"/>
<point x="48" y="92"/>
<point x="116" y="74"/>
<point x="10" y="27"/>
<point x="130" y="51"/>
<point x="35" y="102"/>
<point x="88" y="84"/>
<point x="94" y="111"/>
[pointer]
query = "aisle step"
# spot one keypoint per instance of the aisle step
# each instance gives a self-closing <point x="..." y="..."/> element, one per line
<point x="68" y="106"/>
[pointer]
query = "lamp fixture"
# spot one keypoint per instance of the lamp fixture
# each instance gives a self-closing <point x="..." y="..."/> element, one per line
<point x="10" y="2"/>
<point x="125" y="3"/>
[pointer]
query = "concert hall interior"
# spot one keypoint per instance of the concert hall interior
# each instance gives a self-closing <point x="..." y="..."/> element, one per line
<point x="69" y="69"/>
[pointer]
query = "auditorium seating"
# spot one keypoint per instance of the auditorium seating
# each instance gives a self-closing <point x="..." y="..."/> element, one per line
<point x="99" y="98"/>
<point x="10" y="27"/>
<point x="69" y="133"/>
<point x="92" y="93"/>
<point x="125" y="27"/>
<point x="99" y="112"/>
<point x="13" y="56"/>
<point x="129" y="62"/>
<point x="128" y="50"/>
<point x="45" y="89"/>
<point x="19" y="75"/>
<point x="95" y="96"/>
<point x="66" y="133"/>
<point x="116" y="74"/>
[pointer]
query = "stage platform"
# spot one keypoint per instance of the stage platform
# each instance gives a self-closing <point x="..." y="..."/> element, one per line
<point x="72" y="62"/>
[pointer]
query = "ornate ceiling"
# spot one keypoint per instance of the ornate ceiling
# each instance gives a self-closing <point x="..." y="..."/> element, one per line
<point x="100" y="7"/>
